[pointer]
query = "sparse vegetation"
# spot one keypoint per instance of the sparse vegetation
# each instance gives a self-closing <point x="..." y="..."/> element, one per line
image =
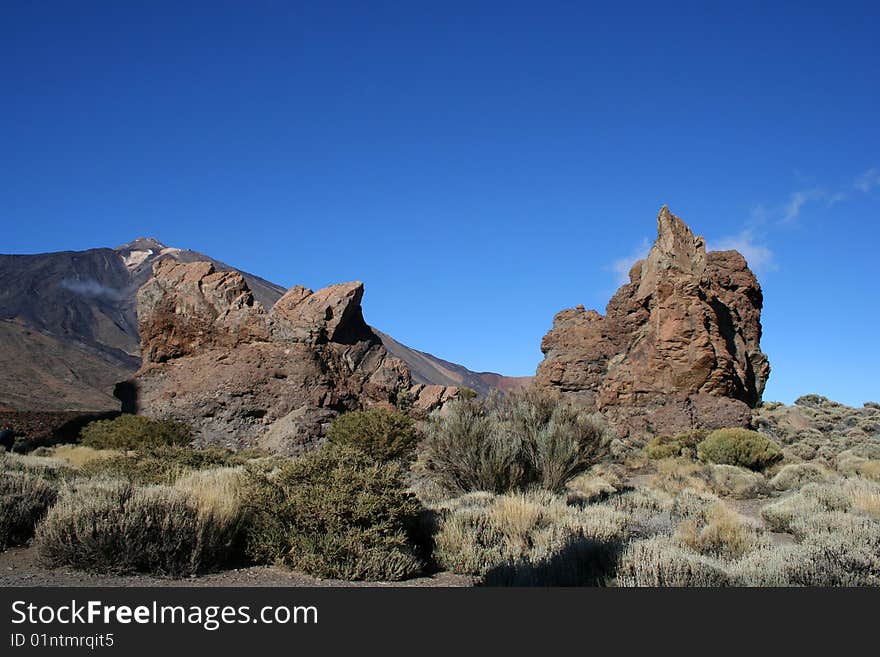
<point x="682" y="444"/>
<point x="512" y="443"/>
<point x="747" y="449"/>
<point x="659" y="561"/>
<point x="335" y="513"/>
<point x="114" y="526"/>
<point x="160" y="465"/>
<point x="516" y="491"/>
<point x="134" y="432"/>
<point x="528" y="539"/>
<point x="24" y="499"/>
<point x="382" y="434"/>
<point x="795" y="475"/>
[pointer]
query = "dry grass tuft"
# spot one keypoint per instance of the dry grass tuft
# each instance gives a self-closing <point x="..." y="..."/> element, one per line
<point x="796" y="475"/>
<point x="660" y="561"/>
<point x="77" y="456"/>
<point x="738" y="483"/>
<point x="529" y="538"/>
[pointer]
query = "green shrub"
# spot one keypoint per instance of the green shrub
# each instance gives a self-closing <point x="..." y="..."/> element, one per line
<point x="463" y="452"/>
<point x="511" y="443"/>
<point x="161" y="465"/>
<point x="663" y="447"/>
<point x="384" y="435"/>
<point x="24" y="499"/>
<point x="747" y="449"/>
<point x="120" y="528"/>
<point x="133" y="432"/>
<point x="335" y="513"/>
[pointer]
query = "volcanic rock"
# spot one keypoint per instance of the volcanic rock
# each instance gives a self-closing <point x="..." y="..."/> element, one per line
<point x="241" y="376"/>
<point x="678" y="346"/>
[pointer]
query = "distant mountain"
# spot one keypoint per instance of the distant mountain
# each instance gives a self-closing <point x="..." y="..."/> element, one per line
<point x="68" y="327"/>
<point x="426" y="368"/>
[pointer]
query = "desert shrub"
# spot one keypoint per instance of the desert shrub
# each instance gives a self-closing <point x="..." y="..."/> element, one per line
<point x="161" y="465"/>
<point x="852" y="465"/>
<point x="76" y="456"/>
<point x="854" y="496"/>
<point x="133" y="432"/>
<point x="503" y="444"/>
<point x="796" y="475"/>
<point x="43" y="467"/>
<point x="565" y="446"/>
<point x="674" y="475"/>
<point x="529" y="538"/>
<point x="641" y="500"/>
<point x="869" y="470"/>
<point x="694" y="504"/>
<point x="747" y="449"/>
<point x="799" y="452"/>
<point x="722" y="534"/>
<point x="113" y="526"/>
<point x="24" y="499"/>
<point x="810" y="401"/>
<point x="738" y="483"/>
<point x="682" y="444"/>
<point x="381" y="433"/>
<point x="597" y="484"/>
<point x="336" y="513"/>
<point x="659" y="561"/>
<point x="823" y="559"/>
<point x="464" y="452"/>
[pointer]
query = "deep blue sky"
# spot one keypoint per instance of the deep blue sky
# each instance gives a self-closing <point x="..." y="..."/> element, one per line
<point x="479" y="165"/>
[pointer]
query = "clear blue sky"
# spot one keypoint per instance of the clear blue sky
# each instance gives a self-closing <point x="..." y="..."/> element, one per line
<point x="479" y="165"/>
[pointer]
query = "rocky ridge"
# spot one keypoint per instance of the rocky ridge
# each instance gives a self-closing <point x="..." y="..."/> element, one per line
<point x="678" y="346"/>
<point x="240" y="375"/>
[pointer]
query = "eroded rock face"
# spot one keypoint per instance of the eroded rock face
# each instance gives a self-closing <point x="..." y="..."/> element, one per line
<point x="678" y="347"/>
<point x="242" y="376"/>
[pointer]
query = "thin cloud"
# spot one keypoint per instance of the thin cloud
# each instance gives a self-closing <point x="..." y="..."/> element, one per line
<point x="92" y="288"/>
<point x="796" y="202"/>
<point x="758" y="256"/>
<point x="838" y="197"/>
<point x="868" y="180"/>
<point x="621" y="266"/>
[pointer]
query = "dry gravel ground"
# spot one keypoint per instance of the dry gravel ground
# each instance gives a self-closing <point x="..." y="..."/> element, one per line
<point x="19" y="567"/>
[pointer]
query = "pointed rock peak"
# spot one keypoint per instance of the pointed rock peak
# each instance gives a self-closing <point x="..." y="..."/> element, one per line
<point x="675" y="238"/>
<point x="143" y="244"/>
<point x="675" y="248"/>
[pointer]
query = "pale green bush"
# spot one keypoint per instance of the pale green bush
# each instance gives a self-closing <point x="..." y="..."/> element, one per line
<point x="512" y="443"/>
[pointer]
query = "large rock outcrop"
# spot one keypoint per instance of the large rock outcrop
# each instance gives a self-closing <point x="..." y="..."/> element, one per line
<point x="242" y="376"/>
<point x="678" y="347"/>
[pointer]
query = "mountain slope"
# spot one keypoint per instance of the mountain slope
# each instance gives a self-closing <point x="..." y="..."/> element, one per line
<point x="426" y="368"/>
<point x="68" y="327"/>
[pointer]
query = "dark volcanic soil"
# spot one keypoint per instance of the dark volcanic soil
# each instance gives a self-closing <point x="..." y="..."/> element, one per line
<point x="19" y="567"/>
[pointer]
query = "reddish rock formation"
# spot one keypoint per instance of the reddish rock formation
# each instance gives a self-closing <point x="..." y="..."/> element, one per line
<point x="186" y="308"/>
<point x="241" y="376"/>
<point x="678" y="347"/>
